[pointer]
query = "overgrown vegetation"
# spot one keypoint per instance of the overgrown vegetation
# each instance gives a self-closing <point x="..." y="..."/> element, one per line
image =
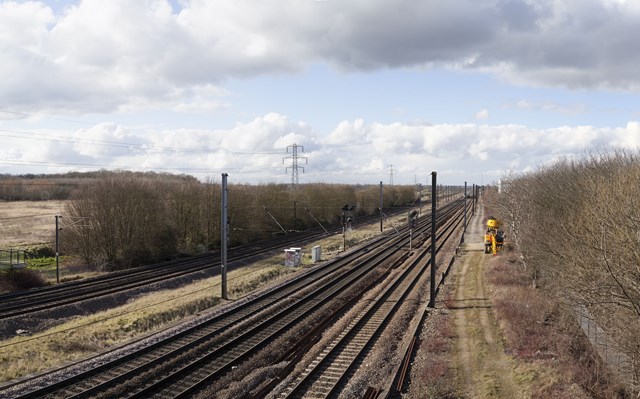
<point x="20" y="279"/>
<point x="436" y="376"/>
<point x="577" y="225"/>
<point x="544" y="333"/>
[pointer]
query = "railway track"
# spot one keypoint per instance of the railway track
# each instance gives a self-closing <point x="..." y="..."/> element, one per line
<point x="26" y="302"/>
<point x="221" y="325"/>
<point x="183" y="364"/>
<point x="328" y="372"/>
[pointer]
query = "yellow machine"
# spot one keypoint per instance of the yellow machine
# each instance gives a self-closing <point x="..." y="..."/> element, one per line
<point x="494" y="237"/>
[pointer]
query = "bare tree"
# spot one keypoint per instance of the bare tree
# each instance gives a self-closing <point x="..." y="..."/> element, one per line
<point x="577" y="223"/>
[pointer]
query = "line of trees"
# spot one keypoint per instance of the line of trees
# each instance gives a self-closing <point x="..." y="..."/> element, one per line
<point x="577" y="224"/>
<point x="44" y="187"/>
<point x="123" y="219"/>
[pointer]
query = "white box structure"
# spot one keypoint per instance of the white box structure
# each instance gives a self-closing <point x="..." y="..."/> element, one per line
<point x="292" y="257"/>
<point x="289" y="257"/>
<point x="315" y="254"/>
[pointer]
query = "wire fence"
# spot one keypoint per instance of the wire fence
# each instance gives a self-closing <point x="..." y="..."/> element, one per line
<point x="624" y="366"/>
<point x="12" y="258"/>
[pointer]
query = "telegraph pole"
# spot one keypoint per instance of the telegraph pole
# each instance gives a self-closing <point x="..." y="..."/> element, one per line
<point x="294" y="163"/>
<point x="224" y="234"/>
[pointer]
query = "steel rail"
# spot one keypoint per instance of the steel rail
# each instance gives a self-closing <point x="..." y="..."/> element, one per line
<point x="394" y="386"/>
<point x="328" y="371"/>
<point x="201" y="373"/>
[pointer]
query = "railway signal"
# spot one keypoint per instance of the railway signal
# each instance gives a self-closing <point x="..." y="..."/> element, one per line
<point x="347" y="218"/>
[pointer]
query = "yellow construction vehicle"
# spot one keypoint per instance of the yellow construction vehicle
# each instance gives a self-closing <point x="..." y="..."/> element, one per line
<point x="494" y="237"/>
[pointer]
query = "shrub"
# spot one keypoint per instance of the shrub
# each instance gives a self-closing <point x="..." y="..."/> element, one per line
<point x="508" y="274"/>
<point x="20" y="279"/>
<point x="40" y="252"/>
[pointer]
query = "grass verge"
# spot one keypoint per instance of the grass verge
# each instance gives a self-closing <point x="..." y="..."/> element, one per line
<point x="541" y="333"/>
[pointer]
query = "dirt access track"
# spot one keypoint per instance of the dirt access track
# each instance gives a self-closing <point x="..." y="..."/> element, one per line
<point x="483" y="368"/>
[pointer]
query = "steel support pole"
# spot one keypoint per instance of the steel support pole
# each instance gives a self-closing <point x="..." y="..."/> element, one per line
<point x="344" y="229"/>
<point x="295" y="215"/>
<point x="473" y="211"/>
<point x="432" y="291"/>
<point x="224" y="235"/>
<point x="381" y="198"/>
<point x="464" y="229"/>
<point x="57" y="250"/>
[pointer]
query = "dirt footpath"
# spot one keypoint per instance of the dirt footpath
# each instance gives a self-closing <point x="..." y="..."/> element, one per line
<point x="483" y="368"/>
<point x="461" y="351"/>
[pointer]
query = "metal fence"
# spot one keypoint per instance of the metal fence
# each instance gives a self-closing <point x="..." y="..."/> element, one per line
<point x="620" y="363"/>
<point x="12" y="258"/>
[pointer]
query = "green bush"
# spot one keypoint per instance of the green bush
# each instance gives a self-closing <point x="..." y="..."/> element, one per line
<point x="41" y="263"/>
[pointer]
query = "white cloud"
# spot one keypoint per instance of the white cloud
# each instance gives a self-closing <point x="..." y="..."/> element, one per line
<point x="348" y="133"/>
<point x="482" y="115"/>
<point x="254" y="151"/>
<point x="103" y="56"/>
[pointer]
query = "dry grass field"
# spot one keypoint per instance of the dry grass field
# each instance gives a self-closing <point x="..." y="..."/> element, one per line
<point x="28" y="223"/>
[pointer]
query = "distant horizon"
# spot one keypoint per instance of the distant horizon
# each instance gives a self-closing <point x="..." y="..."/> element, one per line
<point x="28" y="176"/>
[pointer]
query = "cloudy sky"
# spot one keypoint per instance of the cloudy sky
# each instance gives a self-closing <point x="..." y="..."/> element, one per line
<point x="473" y="89"/>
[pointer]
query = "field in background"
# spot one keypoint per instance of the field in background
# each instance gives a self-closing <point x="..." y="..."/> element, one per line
<point x="28" y="223"/>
